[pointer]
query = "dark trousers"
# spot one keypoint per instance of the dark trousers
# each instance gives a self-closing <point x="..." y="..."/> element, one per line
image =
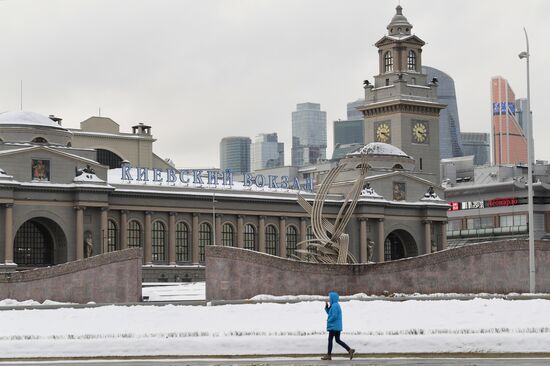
<point x="333" y="334"/>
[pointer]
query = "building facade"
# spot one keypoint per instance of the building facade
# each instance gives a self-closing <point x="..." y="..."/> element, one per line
<point x="309" y="134"/>
<point x="450" y="141"/>
<point x="478" y="145"/>
<point x="58" y="204"/>
<point x="267" y="152"/>
<point x="401" y="107"/>
<point x="509" y="141"/>
<point x="235" y="154"/>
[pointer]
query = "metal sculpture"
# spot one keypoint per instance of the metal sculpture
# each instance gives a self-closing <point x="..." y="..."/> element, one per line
<point x="330" y="244"/>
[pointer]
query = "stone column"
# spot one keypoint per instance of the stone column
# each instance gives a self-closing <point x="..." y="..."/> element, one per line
<point x="303" y="229"/>
<point x="282" y="237"/>
<point x="123" y="229"/>
<point x="79" y="232"/>
<point x="443" y="235"/>
<point x="103" y="229"/>
<point x="8" y="234"/>
<point x="195" y="239"/>
<point x="240" y="231"/>
<point x="148" y="248"/>
<point x="380" y="241"/>
<point x="218" y="229"/>
<point x="261" y="234"/>
<point x="427" y="236"/>
<point x="172" y="238"/>
<point x="363" y="240"/>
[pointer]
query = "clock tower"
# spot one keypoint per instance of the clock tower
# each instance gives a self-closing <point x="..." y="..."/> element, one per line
<point x="401" y="106"/>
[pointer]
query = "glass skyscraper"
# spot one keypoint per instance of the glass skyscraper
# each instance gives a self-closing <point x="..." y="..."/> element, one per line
<point x="267" y="152"/>
<point x="477" y="144"/>
<point x="450" y="142"/>
<point x="235" y="154"/>
<point x="309" y="134"/>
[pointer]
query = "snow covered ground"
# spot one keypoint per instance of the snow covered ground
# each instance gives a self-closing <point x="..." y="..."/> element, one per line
<point x="478" y="325"/>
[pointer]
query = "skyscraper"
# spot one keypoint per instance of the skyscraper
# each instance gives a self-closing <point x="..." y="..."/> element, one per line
<point x="267" y="151"/>
<point x="350" y="131"/>
<point x="450" y="142"/>
<point x="309" y="134"/>
<point x="521" y="106"/>
<point x="509" y="141"/>
<point x="235" y="154"/>
<point x="477" y="144"/>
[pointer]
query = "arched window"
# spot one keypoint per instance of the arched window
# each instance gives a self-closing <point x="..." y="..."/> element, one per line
<point x="411" y="60"/>
<point x="135" y="235"/>
<point x="109" y="158"/>
<point x="112" y="236"/>
<point x="33" y="245"/>
<point x="249" y="237"/>
<point x="182" y="242"/>
<point x="388" y="62"/>
<point x="69" y="144"/>
<point x="39" y="140"/>
<point x="398" y="167"/>
<point x="291" y="241"/>
<point x="271" y="240"/>
<point x="205" y="238"/>
<point x="158" y="245"/>
<point x="228" y="235"/>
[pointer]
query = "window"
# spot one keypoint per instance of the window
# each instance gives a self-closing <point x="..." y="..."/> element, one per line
<point x="39" y="140"/>
<point x="388" y="62"/>
<point x="485" y="222"/>
<point x="33" y="245"/>
<point x="513" y="220"/>
<point x="387" y="82"/>
<point x="398" y="167"/>
<point x="228" y="235"/>
<point x="310" y="236"/>
<point x="454" y="225"/>
<point x="112" y="236"/>
<point x="291" y="241"/>
<point x="159" y="241"/>
<point x="271" y="239"/>
<point x="182" y="242"/>
<point x="420" y="163"/>
<point x="411" y="60"/>
<point x="205" y="238"/>
<point x="249" y="237"/>
<point x="109" y="158"/>
<point x="134" y="235"/>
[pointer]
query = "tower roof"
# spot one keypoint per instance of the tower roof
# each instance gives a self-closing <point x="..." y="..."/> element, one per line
<point x="399" y="25"/>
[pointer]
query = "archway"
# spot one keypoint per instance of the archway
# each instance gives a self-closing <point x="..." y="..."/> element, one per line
<point x="39" y="242"/>
<point x="399" y="244"/>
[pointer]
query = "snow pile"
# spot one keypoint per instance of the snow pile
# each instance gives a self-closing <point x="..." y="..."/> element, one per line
<point x="369" y="326"/>
<point x="11" y="302"/>
<point x="378" y="148"/>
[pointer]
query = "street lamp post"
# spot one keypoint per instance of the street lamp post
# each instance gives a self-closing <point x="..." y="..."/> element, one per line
<point x="530" y="157"/>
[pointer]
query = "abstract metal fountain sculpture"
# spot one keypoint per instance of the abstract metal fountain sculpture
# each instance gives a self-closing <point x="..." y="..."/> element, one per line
<point x="330" y="244"/>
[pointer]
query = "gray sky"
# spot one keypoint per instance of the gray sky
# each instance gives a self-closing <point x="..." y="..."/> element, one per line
<point x="201" y="70"/>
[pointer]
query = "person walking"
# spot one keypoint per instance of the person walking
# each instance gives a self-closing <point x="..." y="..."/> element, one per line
<point x="334" y="326"/>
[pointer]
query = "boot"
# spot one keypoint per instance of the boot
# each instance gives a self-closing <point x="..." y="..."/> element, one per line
<point x="351" y="353"/>
<point x="326" y="358"/>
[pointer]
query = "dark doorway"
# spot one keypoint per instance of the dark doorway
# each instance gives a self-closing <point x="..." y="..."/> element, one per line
<point x="39" y="242"/>
<point x="33" y="245"/>
<point x="399" y="244"/>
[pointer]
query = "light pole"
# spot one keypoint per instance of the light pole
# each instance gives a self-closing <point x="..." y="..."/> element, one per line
<point x="530" y="157"/>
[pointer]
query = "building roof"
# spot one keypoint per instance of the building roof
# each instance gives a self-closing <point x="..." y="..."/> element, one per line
<point x="23" y="118"/>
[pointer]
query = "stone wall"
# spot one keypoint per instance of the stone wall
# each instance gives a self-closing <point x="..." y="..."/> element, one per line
<point x="106" y="278"/>
<point x="493" y="267"/>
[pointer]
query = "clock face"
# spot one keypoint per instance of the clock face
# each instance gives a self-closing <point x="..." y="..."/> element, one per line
<point x="420" y="132"/>
<point x="383" y="133"/>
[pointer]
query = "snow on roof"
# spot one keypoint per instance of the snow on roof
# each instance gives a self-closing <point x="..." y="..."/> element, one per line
<point x="28" y="119"/>
<point x="378" y="148"/>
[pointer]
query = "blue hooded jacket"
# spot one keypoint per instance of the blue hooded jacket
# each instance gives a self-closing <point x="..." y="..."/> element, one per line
<point x="334" y="320"/>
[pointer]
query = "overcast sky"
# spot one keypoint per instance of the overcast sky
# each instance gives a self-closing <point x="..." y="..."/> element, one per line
<point x="198" y="71"/>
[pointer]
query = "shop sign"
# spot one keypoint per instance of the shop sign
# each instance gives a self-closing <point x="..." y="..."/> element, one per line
<point x="496" y="202"/>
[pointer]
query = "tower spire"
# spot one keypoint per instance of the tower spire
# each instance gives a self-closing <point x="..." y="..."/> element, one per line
<point x="399" y="25"/>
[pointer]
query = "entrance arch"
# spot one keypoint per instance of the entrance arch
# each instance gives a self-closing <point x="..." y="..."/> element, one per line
<point x="39" y="242"/>
<point x="399" y="244"/>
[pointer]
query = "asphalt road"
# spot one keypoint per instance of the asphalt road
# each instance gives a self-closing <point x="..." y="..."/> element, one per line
<point x="292" y="362"/>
